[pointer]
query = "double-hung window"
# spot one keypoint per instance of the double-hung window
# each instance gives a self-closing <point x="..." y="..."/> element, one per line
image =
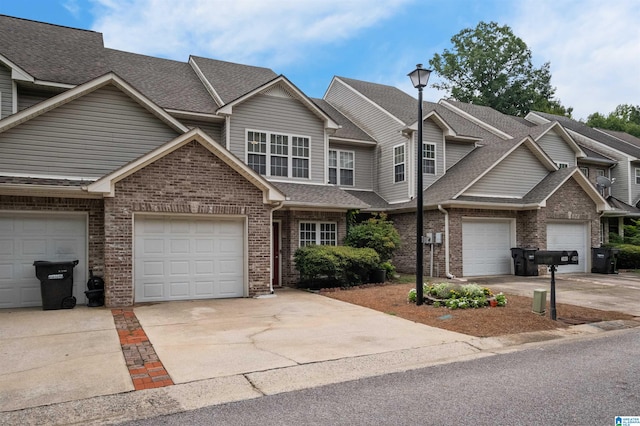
<point x="429" y="158"/>
<point x="319" y="233"/>
<point x="341" y="167"/>
<point x="637" y="175"/>
<point x="398" y="163"/>
<point x="275" y="154"/>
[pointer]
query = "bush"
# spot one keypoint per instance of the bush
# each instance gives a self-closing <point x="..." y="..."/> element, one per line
<point x="331" y="266"/>
<point x="377" y="233"/>
<point x="628" y="256"/>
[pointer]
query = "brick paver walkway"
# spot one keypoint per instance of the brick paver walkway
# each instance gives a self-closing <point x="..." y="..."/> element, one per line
<point x="144" y="366"/>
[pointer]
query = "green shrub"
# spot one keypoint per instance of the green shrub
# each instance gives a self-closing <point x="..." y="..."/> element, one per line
<point x="334" y="265"/>
<point x="628" y="256"/>
<point x="376" y="233"/>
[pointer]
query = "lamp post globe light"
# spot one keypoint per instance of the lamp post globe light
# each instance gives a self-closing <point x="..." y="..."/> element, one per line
<point x="419" y="79"/>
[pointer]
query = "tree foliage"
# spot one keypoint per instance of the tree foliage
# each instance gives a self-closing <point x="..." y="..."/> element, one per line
<point x="625" y="118"/>
<point x="489" y="65"/>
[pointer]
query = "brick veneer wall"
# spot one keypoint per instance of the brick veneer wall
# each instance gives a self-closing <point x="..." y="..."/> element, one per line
<point x="404" y="258"/>
<point x="190" y="180"/>
<point x="289" y="234"/>
<point x="568" y="203"/>
<point x="93" y="207"/>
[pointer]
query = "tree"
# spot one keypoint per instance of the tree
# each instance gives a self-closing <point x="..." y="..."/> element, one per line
<point x="625" y="118"/>
<point x="490" y="66"/>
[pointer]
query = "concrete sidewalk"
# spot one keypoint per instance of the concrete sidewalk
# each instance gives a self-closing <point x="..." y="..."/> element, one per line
<point x="61" y="367"/>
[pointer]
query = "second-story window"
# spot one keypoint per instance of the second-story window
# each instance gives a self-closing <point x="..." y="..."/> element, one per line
<point x="562" y="165"/>
<point x="282" y="156"/>
<point x="341" y="167"/>
<point x="585" y="171"/>
<point x="429" y="158"/>
<point x="637" y="175"/>
<point x="398" y="163"/>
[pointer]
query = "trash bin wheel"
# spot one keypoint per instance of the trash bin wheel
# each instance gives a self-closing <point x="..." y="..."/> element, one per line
<point x="69" y="302"/>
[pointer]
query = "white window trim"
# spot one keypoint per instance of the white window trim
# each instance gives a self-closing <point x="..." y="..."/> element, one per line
<point x="404" y="162"/>
<point x="318" y="223"/>
<point x="338" y="168"/>
<point x="268" y="154"/>
<point x="434" y="159"/>
<point x="585" y="171"/>
<point x="562" y="165"/>
<point x="637" y="175"/>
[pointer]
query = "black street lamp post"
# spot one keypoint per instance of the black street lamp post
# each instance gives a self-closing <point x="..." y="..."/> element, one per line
<point x="419" y="78"/>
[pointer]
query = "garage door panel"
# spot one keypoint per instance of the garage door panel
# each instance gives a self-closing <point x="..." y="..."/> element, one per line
<point x="29" y="237"/>
<point x="569" y="236"/>
<point x="201" y="253"/>
<point x="486" y="248"/>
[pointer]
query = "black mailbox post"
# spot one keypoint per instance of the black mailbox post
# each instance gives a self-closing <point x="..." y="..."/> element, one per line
<point x="552" y="259"/>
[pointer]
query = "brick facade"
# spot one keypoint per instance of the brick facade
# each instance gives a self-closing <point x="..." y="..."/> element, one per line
<point x="289" y="236"/>
<point x="190" y="180"/>
<point x="568" y="204"/>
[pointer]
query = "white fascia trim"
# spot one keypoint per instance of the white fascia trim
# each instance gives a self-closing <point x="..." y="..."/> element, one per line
<point x="603" y="145"/>
<point x="46" y="191"/>
<point x="329" y="124"/>
<point x="84" y="89"/>
<point x="587" y="187"/>
<point x="475" y="120"/>
<point x="106" y="185"/>
<point x="17" y="73"/>
<point x="207" y="84"/>
<point x="195" y="115"/>
<point x="443" y="125"/>
<point x="375" y="105"/>
<point x="322" y="207"/>
<point x="534" y="118"/>
<point x="507" y="197"/>
<point x="88" y="179"/>
<point x="566" y="137"/>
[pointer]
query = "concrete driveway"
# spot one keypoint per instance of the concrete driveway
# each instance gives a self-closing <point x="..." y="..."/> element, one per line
<point x="57" y="364"/>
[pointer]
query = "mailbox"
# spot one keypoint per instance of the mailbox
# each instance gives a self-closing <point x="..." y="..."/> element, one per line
<point x="556" y="257"/>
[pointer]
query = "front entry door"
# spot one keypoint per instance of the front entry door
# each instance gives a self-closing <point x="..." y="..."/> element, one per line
<point x="275" y="281"/>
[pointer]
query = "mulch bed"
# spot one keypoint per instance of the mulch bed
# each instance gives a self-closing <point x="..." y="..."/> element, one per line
<point x="516" y="317"/>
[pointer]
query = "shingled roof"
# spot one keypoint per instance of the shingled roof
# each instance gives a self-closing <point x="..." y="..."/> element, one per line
<point x="318" y="196"/>
<point x="170" y="84"/>
<point x="348" y="129"/>
<point x="230" y="80"/>
<point x="591" y="133"/>
<point x="52" y="53"/>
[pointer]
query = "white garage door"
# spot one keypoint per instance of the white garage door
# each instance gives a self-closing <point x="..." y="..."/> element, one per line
<point x="25" y="238"/>
<point x="182" y="258"/>
<point x="486" y="247"/>
<point x="569" y="236"/>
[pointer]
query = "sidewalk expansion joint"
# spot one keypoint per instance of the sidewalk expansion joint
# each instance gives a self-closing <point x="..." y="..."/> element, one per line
<point x="145" y="368"/>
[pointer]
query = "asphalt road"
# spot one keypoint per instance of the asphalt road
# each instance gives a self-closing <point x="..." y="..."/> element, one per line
<point x="583" y="382"/>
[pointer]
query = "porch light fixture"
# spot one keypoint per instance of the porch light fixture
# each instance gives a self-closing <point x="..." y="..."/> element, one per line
<point x="419" y="79"/>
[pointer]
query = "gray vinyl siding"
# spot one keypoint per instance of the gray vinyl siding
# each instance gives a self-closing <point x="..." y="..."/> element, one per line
<point x="384" y="129"/>
<point x="87" y="137"/>
<point x="6" y="92"/>
<point x="621" y="173"/>
<point x="557" y="149"/>
<point x="431" y="133"/>
<point x="514" y="176"/>
<point x="635" y="188"/>
<point x="455" y="151"/>
<point x="280" y="115"/>
<point x="364" y="159"/>
<point x="30" y="97"/>
<point x="212" y="129"/>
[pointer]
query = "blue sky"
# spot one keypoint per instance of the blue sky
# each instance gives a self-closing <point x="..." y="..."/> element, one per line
<point x="593" y="47"/>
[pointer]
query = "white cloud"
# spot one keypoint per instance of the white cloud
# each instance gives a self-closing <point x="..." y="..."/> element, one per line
<point x="593" y="47"/>
<point x="266" y="32"/>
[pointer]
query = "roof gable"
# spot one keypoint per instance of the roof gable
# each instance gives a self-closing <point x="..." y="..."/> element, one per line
<point x="106" y="184"/>
<point x="228" y="81"/>
<point x="84" y="89"/>
<point x="281" y="86"/>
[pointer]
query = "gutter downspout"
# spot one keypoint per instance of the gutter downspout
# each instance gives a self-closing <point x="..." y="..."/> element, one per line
<point x="446" y="242"/>
<point x="277" y="207"/>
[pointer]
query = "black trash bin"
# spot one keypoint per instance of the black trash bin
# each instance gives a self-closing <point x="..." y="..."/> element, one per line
<point x="604" y="260"/>
<point x="524" y="261"/>
<point x="56" y="284"/>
